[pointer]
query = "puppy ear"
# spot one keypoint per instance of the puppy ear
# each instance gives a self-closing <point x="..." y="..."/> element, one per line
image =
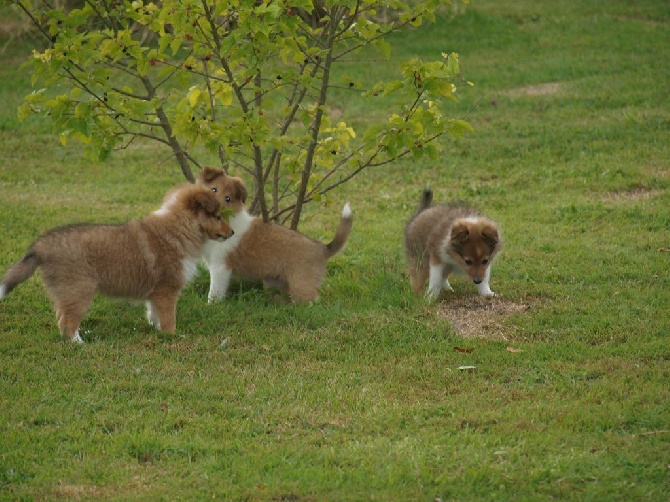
<point x="460" y="232"/>
<point x="240" y="190"/>
<point x="204" y="201"/>
<point x="490" y="236"/>
<point x="208" y="174"/>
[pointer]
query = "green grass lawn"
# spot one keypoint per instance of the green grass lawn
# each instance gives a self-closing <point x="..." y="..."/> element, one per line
<point x="360" y="396"/>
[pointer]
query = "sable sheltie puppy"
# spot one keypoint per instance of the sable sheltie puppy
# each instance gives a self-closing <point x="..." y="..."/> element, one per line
<point x="280" y="257"/>
<point x="149" y="259"/>
<point x="443" y="239"/>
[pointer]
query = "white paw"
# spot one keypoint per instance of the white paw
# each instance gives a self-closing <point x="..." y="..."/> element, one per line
<point x="151" y="316"/>
<point x="154" y="322"/>
<point x="432" y="295"/>
<point x="214" y="299"/>
<point x="77" y="338"/>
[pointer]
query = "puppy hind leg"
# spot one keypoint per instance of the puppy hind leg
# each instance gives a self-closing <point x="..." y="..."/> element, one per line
<point x="418" y="275"/>
<point x="69" y="316"/>
<point x="302" y="291"/>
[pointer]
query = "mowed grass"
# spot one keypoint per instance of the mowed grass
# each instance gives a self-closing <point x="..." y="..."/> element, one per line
<point x="360" y="396"/>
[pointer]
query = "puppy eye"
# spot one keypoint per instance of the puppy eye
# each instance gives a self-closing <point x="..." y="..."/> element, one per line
<point x="227" y="199"/>
<point x="468" y="262"/>
<point x="484" y="262"/>
<point x="214" y="189"/>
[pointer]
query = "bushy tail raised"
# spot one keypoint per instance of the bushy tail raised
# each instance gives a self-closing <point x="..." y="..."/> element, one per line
<point x="426" y="199"/>
<point x="342" y="233"/>
<point x="19" y="272"/>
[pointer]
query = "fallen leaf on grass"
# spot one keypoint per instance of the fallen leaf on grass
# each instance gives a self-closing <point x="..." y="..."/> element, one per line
<point x="512" y="349"/>
<point x="466" y="351"/>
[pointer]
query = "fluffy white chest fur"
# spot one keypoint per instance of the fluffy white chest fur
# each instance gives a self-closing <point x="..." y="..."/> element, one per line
<point x="214" y="255"/>
<point x="189" y="268"/>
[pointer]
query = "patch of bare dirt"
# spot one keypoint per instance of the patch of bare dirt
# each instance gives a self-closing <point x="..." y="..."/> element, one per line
<point x="634" y="194"/>
<point x="77" y="492"/>
<point x="481" y="316"/>
<point x="535" y="90"/>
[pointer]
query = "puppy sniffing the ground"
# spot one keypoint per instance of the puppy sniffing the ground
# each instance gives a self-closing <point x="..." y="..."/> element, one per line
<point x="149" y="259"/>
<point x="454" y="238"/>
<point x="280" y="257"/>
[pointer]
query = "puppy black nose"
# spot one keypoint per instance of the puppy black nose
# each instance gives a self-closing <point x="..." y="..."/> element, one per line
<point x="232" y="232"/>
<point x="477" y="280"/>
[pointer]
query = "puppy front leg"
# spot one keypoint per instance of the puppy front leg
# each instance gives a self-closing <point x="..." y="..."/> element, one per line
<point x="483" y="286"/>
<point x="447" y="270"/>
<point x="152" y="316"/>
<point x="219" y="279"/>
<point x="435" y="281"/>
<point x="164" y="307"/>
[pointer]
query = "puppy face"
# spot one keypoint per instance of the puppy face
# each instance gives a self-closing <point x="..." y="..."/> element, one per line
<point x="229" y="190"/>
<point x="205" y="206"/>
<point x="473" y="245"/>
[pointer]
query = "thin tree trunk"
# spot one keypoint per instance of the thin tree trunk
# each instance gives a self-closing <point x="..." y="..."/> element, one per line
<point x="316" y="125"/>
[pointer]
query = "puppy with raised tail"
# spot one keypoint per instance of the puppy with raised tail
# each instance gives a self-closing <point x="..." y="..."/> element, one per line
<point x="149" y="259"/>
<point x="280" y="257"/>
<point x="445" y="239"/>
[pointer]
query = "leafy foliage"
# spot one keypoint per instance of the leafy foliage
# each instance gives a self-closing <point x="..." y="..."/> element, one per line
<point x="246" y="80"/>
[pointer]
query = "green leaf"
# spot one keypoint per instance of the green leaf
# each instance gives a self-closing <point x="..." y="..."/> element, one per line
<point x="459" y="128"/>
<point x="193" y="96"/>
<point x="223" y="93"/>
<point x="272" y="9"/>
<point x="175" y="45"/>
<point x="24" y="111"/>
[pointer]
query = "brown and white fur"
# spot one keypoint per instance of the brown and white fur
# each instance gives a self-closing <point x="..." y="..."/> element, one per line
<point x="443" y="239"/>
<point x="149" y="259"/>
<point x="282" y="258"/>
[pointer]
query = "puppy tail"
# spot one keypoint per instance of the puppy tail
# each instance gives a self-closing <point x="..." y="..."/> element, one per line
<point x="342" y="233"/>
<point x="426" y="199"/>
<point x="21" y="271"/>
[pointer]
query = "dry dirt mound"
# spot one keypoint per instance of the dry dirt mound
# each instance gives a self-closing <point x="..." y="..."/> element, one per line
<point x="535" y="90"/>
<point x="634" y="194"/>
<point x="480" y="316"/>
